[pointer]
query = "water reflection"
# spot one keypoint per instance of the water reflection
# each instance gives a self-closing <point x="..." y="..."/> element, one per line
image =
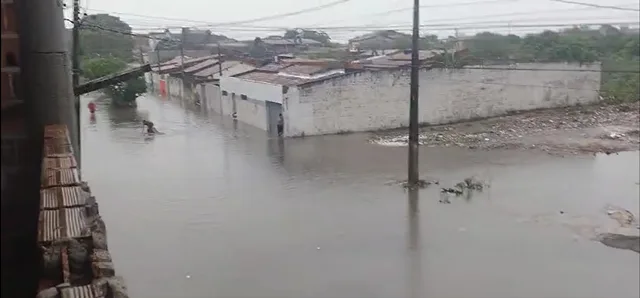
<point x="275" y="149"/>
<point x="414" y="245"/>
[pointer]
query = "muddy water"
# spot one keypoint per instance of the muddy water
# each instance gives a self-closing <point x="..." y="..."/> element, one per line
<point x="215" y="209"/>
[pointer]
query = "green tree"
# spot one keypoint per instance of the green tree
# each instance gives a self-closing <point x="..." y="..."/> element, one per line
<point x="581" y="44"/>
<point x="105" y="35"/>
<point x="122" y="94"/>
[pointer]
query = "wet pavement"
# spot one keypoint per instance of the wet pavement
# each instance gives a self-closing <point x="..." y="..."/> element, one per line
<point x="217" y="209"/>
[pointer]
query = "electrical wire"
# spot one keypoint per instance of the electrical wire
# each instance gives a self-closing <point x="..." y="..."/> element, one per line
<point x="248" y="21"/>
<point x="596" y="5"/>
<point x="207" y="24"/>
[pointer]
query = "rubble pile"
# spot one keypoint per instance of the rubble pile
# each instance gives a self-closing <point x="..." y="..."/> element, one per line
<point x="578" y="129"/>
<point x="71" y="234"/>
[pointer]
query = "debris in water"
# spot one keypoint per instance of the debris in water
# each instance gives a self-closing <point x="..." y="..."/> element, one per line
<point x="457" y="192"/>
<point x="561" y="212"/>
<point x="188" y="276"/>
<point x="318" y="248"/>
<point x="620" y="241"/>
<point x="623" y="216"/>
<point x="420" y="184"/>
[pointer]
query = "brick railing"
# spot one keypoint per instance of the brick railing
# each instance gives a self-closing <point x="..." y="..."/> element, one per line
<point x="71" y="233"/>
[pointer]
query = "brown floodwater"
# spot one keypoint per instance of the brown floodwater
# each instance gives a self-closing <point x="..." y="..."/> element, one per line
<point x="213" y="208"/>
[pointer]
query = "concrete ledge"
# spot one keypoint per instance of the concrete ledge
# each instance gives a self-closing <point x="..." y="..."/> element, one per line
<point x="71" y="233"/>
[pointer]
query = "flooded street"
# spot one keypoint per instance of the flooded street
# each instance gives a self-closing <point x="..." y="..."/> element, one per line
<point x="216" y="209"/>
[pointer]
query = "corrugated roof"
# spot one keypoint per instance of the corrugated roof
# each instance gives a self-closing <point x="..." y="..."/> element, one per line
<point x="272" y="67"/>
<point x="298" y="69"/>
<point x="60" y="197"/>
<point x="62" y="223"/>
<point x="229" y="68"/>
<point x="201" y="66"/>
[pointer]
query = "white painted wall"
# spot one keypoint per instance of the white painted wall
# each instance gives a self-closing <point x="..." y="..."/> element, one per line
<point x="252" y="112"/>
<point x="374" y="100"/>
<point x="174" y="86"/>
<point x="256" y="90"/>
<point x="212" y="95"/>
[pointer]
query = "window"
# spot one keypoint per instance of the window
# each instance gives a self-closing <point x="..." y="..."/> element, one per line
<point x="224" y="93"/>
<point x="243" y="96"/>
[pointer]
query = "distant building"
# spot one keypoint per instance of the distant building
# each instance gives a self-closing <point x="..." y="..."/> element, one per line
<point x="379" y="40"/>
<point x="280" y="45"/>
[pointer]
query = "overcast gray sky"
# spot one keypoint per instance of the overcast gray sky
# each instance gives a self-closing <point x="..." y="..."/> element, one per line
<point x="146" y="15"/>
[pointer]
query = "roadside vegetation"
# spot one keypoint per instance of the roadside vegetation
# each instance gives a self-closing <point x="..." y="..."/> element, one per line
<point x="617" y="49"/>
<point x="104" y="53"/>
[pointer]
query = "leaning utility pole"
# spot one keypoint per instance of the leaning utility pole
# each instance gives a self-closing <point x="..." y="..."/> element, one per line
<point x="75" y="70"/>
<point x="414" y="175"/>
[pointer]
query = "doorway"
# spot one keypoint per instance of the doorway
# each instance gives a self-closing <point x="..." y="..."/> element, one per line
<point x="273" y="114"/>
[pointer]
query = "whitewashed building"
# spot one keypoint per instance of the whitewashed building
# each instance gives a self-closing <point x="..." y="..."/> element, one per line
<point x="320" y="101"/>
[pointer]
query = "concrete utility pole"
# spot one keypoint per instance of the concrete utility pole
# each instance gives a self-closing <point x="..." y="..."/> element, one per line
<point x="48" y="92"/>
<point x="414" y="175"/>
<point x="75" y="68"/>
<point x="182" y="36"/>
<point x="219" y="62"/>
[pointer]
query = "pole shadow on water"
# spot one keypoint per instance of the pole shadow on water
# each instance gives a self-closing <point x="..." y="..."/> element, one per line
<point x="275" y="149"/>
<point x="414" y="245"/>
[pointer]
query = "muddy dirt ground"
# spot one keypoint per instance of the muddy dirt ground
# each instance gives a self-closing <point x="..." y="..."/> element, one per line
<point x="573" y="130"/>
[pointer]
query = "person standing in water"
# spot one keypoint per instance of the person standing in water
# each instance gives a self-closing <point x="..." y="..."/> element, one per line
<point x="280" y="125"/>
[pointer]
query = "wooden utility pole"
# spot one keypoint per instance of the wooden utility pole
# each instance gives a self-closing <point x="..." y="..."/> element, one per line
<point x="414" y="175"/>
<point x="75" y="70"/>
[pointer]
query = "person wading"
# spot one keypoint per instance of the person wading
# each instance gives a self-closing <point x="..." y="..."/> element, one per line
<point x="280" y="125"/>
<point x="150" y="127"/>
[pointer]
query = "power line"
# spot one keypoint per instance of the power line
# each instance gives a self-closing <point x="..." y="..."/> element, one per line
<point x="282" y="15"/>
<point x="596" y="5"/>
<point x="258" y="28"/>
<point x="425" y="6"/>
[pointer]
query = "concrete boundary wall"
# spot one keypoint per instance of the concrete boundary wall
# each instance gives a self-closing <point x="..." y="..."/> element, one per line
<point x="71" y="233"/>
<point x="373" y="100"/>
